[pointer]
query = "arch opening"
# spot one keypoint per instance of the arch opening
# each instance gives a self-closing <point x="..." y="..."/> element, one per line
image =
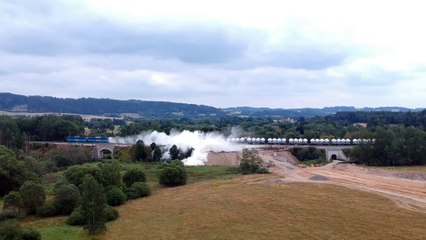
<point x="106" y="153"/>
<point x="334" y="157"/>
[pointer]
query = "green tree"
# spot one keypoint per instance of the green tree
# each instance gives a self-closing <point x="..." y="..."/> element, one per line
<point x="13" y="173"/>
<point x="157" y="154"/>
<point x="33" y="196"/>
<point x="112" y="173"/>
<point x="67" y="197"/>
<point x="174" y="152"/>
<point x="93" y="205"/>
<point x="140" y="154"/>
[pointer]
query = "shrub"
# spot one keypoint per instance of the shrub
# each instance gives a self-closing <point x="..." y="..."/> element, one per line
<point x="142" y="188"/>
<point x="30" y="234"/>
<point x="32" y="195"/>
<point x="75" y="174"/>
<point x="11" y="230"/>
<point x="115" y="196"/>
<point x="132" y="193"/>
<point x="251" y="162"/>
<point x="76" y="218"/>
<point x="48" y="209"/>
<point x="173" y="175"/>
<point x="67" y="197"/>
<point x="110" y="213"/>
<point x="111" y="173"/>
<point x="13" y="199"/>
<point x="132" y="176"/>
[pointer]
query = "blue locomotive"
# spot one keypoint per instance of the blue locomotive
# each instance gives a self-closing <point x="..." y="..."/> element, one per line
<point x="78" y="139"/>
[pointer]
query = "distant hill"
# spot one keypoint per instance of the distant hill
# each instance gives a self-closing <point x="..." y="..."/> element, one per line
<point x="108" y="107"/>
<point x="155" y="109"/>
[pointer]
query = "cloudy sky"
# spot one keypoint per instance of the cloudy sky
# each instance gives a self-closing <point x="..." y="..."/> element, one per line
<point x="220" y="53"/>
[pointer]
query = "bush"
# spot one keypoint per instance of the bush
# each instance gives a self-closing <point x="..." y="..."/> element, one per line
<point x="32" y="195"/>
<point x="11" y="230"/>
<point x="13" y="199"/>
<point x="76" y="218"/>
<point x="115" y="196"/>
<point x="75" y="174"/>
<point x="132" y="193"/>
<point x="110" y="213"/>
<point x="173" y="175"/>
<point x="67" y="197"/>
<point x="48" y="209"/>
<point x="132" y="176"/>
<point x="251" y="162"/>
<point x="142" y="188"/>
<point x="30" y="234"/>
<point x="111" y="173"/>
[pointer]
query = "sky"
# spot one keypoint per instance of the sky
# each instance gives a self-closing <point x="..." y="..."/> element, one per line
<point x="280" y="54"/>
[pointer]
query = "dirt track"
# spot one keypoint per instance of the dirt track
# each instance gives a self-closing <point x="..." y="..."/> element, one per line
<point x="405" y="189"/>
<point x="407" y="193"/>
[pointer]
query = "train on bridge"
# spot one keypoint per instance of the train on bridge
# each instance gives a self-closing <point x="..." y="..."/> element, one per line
<point x="301" y="141"/>
<point x="79" y="139"/>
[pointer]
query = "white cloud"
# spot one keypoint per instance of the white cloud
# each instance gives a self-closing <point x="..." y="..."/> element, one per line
<point x="221" y="53"/>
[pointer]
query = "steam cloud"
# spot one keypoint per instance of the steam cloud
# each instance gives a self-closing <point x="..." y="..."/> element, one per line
<point x="203" y="143"/>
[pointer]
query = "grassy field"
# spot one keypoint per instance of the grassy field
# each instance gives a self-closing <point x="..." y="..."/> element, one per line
<point x="238" y="209"/>
<point x="408" y="169"/>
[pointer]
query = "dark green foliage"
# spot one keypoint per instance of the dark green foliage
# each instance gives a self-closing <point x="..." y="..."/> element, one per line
<point x="174" y="152"/>
<point x="76" y="218"/>
<point x="110" y="213"/>
<point x="111" y="173"/>
<point x="157" y="154"/>
<point x="48" y="209"/>
<point x="11" y="230"/>
<point x="173" y="175"/>
<point x="13" y="207"/>
<point x="115" y="196"/>
<point x="142" y="188"/>
<point x="251" y="162"/>
<point x="93" y="205"/>
<point x="9" y="133"/>
<point x="67" y="197"/>
<point x="33" y="196"/>
<point x="132" y="193"/>
<point x="13" y="173"/>
<point x="132" y="176"/>
<point x="75" y="174"/>
<point x="393" y="147"/>
<point x="69" y="157"/>
<point x="13" y="199"/>
<point x="139" y="153"/>
<point x="308" y="154"/>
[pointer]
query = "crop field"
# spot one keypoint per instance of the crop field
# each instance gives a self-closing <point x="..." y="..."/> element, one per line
<point x="243" y="208"/>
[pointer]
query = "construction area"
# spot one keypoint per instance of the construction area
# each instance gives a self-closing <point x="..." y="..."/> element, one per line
<point x="406" y="189"/>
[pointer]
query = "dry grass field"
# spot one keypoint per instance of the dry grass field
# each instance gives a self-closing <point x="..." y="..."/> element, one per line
<point x="244" y="208"/>
<point x="237" y="209"/>
<point x="407" y="169"/>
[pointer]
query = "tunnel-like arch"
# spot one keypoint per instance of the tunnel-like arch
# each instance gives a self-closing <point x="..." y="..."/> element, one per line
<point x="106" y="153"/>
<point x="333" y="157"/>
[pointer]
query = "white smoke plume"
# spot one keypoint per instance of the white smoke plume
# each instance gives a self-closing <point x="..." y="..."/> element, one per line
<point x="203" y="143"/>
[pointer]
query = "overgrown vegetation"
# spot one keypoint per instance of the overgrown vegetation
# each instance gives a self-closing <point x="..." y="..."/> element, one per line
<point x="252" y="163"/>
<point x="309" y="155"/>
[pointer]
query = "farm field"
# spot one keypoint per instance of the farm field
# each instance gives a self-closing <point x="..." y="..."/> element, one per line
<point x="246" y="208"/>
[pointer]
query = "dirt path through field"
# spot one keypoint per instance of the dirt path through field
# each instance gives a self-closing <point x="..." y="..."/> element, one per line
<point x="407" y="193"/>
